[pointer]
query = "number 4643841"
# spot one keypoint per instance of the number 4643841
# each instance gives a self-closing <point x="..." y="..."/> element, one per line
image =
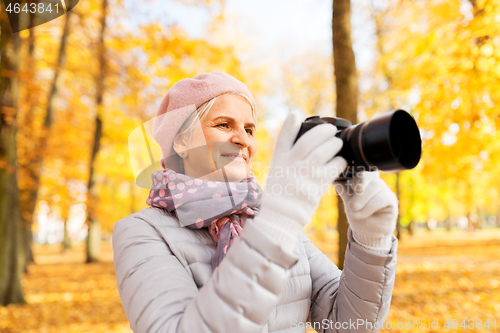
<point x="470" y="324"/>
<point x="32" y="8"/>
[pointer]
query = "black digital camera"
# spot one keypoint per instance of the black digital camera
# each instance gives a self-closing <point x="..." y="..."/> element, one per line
<point x="388" y="142"/>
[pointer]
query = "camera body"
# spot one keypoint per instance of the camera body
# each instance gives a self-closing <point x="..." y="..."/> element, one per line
<point x="389" y="142"/>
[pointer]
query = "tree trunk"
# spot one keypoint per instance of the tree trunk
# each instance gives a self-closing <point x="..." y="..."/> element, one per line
<point x="28" y="241"/>
<point x="93" y="238"/>
<point x="346" y="79"/>
<point x="410" y="228"/>
<point x="12" y="256"/>
<point x="26" y="211"/>
<point x="34" y="164"/>
<point x="471" y="216"/>
<point x="480" y="219"/>
<point x="448" y="220"/>
<point x="66" y="242"/>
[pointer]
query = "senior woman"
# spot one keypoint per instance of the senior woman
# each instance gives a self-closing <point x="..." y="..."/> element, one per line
<point x="215" y="253"/>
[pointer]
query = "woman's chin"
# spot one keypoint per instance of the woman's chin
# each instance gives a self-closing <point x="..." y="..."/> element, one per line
<point x="219" y="176"/>
<point x="235" y="175"/>
<point x="229" y="173"/>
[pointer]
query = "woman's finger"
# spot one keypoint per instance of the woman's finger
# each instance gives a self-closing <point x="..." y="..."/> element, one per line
<point x="325" y="151"/>
<point x="312" y="139"/>
<point x="384" y="200"/>
<point x="362" y="195"/>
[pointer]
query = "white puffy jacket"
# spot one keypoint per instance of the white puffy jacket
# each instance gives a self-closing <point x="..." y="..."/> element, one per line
<point x="166" y="283"/>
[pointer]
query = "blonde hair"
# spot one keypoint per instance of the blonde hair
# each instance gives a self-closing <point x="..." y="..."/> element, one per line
<point x="200" y="114"/>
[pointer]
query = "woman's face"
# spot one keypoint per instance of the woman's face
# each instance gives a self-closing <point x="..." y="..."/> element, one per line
<point x="222" y="145"/>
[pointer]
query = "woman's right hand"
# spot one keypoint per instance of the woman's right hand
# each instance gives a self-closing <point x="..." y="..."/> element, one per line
<point x="301" y="173"/>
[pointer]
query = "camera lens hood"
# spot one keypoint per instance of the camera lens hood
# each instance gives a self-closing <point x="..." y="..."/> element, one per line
<point x="389" y="141"/>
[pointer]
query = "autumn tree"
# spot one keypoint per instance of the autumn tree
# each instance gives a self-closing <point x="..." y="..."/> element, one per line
<point x="346" y="80"/>
<point x="94" y="237"/>
<point x="27" y="122"/>
<point x="12" y="254"/>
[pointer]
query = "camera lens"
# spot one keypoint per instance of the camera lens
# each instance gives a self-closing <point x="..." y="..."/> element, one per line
<point x="390" y="142"/>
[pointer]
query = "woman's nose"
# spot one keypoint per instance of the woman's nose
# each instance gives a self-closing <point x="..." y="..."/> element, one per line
<point x="241" y="138"/>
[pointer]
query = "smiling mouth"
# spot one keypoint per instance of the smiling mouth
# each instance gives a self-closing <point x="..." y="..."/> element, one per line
<point x="234" y="157"/>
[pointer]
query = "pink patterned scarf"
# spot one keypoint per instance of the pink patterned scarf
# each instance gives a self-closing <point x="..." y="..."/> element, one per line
<point x="196" y="203"/>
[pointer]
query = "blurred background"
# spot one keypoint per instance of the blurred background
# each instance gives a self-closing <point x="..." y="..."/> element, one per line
<point x="75" y="88"/>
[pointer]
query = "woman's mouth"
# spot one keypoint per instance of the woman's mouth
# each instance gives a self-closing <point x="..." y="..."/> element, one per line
<point x="235" y="157"/>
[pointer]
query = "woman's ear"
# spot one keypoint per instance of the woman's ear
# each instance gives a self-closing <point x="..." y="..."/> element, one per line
<point x="181" y="145"/>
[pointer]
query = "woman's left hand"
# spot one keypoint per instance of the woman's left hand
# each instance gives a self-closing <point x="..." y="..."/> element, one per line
<point x="371" y="208"/>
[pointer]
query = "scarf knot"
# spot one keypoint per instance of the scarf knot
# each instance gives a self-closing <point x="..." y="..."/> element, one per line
<point x="222" y="207"/>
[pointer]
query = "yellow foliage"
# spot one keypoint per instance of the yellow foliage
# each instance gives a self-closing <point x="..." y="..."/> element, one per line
<point x="438" y="59"/>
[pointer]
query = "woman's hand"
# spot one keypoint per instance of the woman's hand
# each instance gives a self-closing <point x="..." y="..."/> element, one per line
<point x="371" y="208"/>
<point x="300" y="173"/>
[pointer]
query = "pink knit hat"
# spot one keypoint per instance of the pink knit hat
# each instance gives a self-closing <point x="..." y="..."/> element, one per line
<point x="182" y="100"/>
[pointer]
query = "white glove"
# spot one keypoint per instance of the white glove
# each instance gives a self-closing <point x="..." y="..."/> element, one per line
<point x="300" y="174"/>
<point x="371" y="208"/>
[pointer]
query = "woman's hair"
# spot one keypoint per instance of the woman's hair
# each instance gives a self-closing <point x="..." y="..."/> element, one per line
<point x="201" y="112"/>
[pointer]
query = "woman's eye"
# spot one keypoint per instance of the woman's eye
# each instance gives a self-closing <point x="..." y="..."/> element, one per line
<point x="226" y="125"/>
